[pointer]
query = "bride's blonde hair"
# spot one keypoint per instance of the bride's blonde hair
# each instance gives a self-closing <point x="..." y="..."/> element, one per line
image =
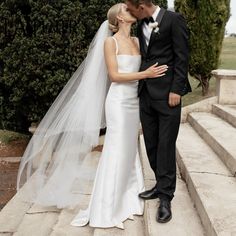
<point x="112" y="17"/>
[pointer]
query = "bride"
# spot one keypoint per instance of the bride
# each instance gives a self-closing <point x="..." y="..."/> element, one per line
<point x="53" y="168"/>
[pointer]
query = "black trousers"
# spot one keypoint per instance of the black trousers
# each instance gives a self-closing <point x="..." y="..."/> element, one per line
<point x="160" y="124"/>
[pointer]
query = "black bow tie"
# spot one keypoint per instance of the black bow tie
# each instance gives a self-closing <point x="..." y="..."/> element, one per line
<point x="148" y="20"/>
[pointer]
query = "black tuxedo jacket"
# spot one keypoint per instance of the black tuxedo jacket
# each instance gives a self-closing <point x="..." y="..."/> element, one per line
<point x="169" y="47"/>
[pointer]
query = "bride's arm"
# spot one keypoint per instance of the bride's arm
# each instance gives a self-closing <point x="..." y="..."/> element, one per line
<point x="112" y="66"/>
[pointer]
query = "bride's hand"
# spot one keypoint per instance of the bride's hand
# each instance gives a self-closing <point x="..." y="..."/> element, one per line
<point x="155" y="71"/>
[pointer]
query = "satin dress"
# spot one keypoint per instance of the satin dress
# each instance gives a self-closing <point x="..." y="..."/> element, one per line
<point x="119" y="177"/>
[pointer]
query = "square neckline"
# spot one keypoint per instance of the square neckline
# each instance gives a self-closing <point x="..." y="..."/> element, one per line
<point x="136" y="55"/>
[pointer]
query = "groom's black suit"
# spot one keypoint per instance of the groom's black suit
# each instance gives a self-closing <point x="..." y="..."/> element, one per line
<point x="160" y="122"/>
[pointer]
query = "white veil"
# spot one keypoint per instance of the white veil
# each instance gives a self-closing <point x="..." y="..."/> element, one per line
<point x="53" y="163"/>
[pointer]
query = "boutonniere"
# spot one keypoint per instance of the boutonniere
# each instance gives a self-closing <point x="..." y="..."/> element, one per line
<point x="154" y="26"/>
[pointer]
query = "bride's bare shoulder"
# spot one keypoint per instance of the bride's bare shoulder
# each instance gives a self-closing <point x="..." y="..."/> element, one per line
<point x="109" y="39"/>
<point x="109" y="44"/>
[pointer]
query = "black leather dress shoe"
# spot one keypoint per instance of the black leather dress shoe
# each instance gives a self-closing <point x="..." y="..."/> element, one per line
<point x="149" y="194"/>
<point x="164" y="211"/>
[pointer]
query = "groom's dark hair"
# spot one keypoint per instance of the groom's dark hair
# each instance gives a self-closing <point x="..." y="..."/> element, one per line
<point x="138" y="2"/>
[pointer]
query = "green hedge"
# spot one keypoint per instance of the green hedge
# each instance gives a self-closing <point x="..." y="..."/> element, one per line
<point x="41" y="45"/>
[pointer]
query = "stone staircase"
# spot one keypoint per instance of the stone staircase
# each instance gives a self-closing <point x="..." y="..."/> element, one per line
<point x="206" y="156"/>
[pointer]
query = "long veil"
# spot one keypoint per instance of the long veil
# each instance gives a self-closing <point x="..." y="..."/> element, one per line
<point x="53" y="165"/>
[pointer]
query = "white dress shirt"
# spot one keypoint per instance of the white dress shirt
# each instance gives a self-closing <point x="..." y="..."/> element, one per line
<point x="146" y="29"/>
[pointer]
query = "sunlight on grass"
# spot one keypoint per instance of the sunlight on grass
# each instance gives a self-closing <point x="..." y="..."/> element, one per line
<point x="7" y="136"/>
<point x="227" y="61"/>
<point x="228" y="54"/>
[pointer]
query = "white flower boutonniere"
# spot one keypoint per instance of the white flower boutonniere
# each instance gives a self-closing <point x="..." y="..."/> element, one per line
<point x="154" y="26"/>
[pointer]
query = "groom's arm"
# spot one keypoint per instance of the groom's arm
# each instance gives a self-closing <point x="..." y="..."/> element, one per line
<point x="181" y="52"/>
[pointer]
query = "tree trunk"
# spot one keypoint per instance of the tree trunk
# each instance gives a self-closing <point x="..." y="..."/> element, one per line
<point x="204" y="83"/>
<point x="205" y="87"/>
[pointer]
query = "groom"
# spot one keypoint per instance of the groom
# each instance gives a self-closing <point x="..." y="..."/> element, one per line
<point x="160" y="99"/>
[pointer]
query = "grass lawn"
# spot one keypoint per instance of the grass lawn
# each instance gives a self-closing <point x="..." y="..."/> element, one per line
<point x="196" y="94"/>
<point x="12" y="144"/>
<point x="9" y="136"/>
<point x="227" y="61"/>
<point x="228" y="54"/>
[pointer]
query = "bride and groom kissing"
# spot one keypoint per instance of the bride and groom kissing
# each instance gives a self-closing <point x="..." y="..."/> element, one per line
<point x="122" y="81"/>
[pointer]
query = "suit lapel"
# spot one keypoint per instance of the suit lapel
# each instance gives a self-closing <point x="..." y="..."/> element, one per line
<point x="158" y="20"/>
<point x="141" y="37"/>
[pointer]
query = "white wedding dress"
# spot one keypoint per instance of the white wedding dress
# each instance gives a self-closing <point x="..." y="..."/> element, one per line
<point x="119" y="177"/>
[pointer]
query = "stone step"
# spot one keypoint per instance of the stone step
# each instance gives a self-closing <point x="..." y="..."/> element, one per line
<point x="38" y="221"/>
<point x="12" y="214"/>
<point x="185" y="220"/>
<point x="132" y="227"/>
<point x="226" y="112"/>
<point x="218" y="134"/>
<point x="211" y="185"/>
<point x="62" y="226"/>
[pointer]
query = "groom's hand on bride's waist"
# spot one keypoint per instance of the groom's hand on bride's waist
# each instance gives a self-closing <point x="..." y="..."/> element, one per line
<point x="174" y="99"/>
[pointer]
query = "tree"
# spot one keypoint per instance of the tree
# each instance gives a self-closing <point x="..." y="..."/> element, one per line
<point x="206" y="22"/>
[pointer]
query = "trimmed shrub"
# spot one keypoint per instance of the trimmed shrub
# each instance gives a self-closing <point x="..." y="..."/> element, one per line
<point x="42" y="42"/>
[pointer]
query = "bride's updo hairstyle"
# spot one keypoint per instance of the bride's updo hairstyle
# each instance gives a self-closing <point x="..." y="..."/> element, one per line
<point x="112" y="17"/>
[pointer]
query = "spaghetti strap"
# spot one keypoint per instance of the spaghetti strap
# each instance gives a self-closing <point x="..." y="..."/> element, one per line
<point x="116" y="44"/>
<point x="137" y="42"/>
